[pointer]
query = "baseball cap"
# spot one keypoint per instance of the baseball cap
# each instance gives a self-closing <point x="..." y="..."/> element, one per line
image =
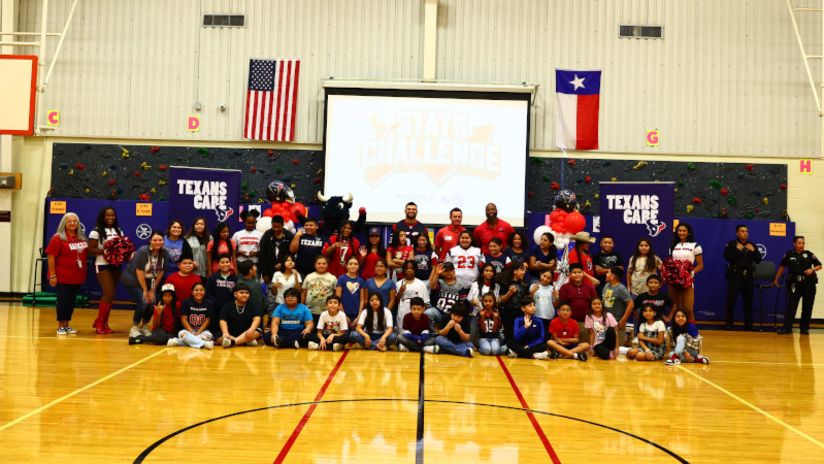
<point x="167" y="288"/>
<point x="448" y="266"/>
<point x="375" y="231"/>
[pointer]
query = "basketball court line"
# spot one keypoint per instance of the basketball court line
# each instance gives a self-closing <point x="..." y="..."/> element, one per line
<point x="308" y="414"/>
<point x="753" y="407"/>
<point x="419" y="438"/>
<point x="767" y="363"/>
<point x="67" y="337"/>
<point x="80" y="390"/>
<point x="538" y="429"/>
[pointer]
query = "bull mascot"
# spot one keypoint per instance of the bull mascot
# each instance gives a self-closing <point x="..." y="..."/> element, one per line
<point x="283" y="203"/>
<point x="335" y="212"/>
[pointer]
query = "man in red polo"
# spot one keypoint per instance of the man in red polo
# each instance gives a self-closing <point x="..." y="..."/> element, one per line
<point x="491" y="228"/>
<point x="447" y="237"/>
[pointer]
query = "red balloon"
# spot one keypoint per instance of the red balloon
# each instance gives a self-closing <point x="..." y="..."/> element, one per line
<point x="575" y="222"/>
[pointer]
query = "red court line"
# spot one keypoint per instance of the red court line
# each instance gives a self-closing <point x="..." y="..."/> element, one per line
<point x="535" y="424"/>
<point x="295" y="433"/>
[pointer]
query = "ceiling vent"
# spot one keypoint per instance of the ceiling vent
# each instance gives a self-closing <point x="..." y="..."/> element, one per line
<point x="641" y="32"/>
<point x="216" y="20"/>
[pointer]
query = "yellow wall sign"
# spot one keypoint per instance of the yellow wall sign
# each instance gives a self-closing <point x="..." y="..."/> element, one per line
<point x="53" y="118"/>
<point x="57" y="207"/>
<point x="778" y="229"/>
<point x="805" y="166"/>
<point x="652" y="137"/>
<point x="143" y="209"/>
<point x="193" y="124"/>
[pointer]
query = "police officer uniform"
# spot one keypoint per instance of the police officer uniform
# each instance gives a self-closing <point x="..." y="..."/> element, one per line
<point x="740" y="272"/>
<point x="799" y="286"/>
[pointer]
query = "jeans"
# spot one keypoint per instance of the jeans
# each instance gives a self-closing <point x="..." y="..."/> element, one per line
<point x="415" y="342"/>
<point x="66" y="295"/>
<point x="437" y="317"/>
<point x="603" y="349"/>
<point x="460" y="349"/>
<point x="287" y="338"/>
<point x="142" y="311"/>
<point x="158" y="337"/>
<point x="681" y="346"/>
<point x="491" y="346"/>
<point x="374" y="337"/>
<point x="195" y="341"/>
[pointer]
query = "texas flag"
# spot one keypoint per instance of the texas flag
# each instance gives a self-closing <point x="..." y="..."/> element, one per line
<point x="576" y="109"/>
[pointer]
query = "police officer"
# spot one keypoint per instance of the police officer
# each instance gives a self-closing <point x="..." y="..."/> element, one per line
<point x="801" y="267"/>
<point x="741" y="256"/>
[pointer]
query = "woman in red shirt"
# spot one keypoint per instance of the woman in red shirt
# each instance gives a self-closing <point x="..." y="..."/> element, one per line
<point x="580" y="254"/>
<point x="67" y="268"/>
<point x="339" y="248"/>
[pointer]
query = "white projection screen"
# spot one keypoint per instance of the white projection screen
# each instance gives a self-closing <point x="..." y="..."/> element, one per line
<point x="439" y="149"/>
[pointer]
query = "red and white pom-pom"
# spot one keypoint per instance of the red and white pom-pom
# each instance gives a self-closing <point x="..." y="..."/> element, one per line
<point x="677" y="272"/>
<point x="118" y="250"/>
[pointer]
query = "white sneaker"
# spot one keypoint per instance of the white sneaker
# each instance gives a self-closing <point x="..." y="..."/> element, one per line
<point x="174" y="342"/>
<point x="470" y="353"/>
<point x="431" y="349"/>
<point x="134" y="332"/>
<point x="71" y="331"/>
<point x="209" y="345"/>
<point x="623" y="350"/>
<point x="402" y="348"/>
<point x="296" y="345"/>
<point x="512" y="354"/>
<point x="145" y="331"/>
<point x="226" y="342"/>
<point x="314" y="346"/>
<point x="674" y="360"/>
<point x="541" y="355"/>
<point x="62" y="331"/>
<point x="337" y="347"/>
<point x="253" y="343"/>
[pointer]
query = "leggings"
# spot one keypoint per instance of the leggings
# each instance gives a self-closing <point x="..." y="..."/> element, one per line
<point x="66" y="295"/>
<point x="158" y="337"/>
<point x="603" y="349"/>
<point x="527" y="351"/>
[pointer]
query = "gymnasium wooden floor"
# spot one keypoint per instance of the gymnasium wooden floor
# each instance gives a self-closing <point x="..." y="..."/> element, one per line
<point x="90" y="398"/>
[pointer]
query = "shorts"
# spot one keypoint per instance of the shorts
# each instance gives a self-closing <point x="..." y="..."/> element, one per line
<point x="98" y="268"/>
<point x="571" y="347"/>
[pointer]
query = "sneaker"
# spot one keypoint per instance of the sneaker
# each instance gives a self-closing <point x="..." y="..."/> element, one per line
<point x="511" y="353"/>
<point x="253" y="343"/>
<point x="702" y="360"/>
<point x="62" y="331"/>
<point x="623" y="350"/>
<point x="134" y="332"/>
<point x="674" y="360"/>
<point x="403" y="348"/>
<point x="209" y="345"/>
<point x="226" y="342"/>
<point x="541" y="355"/>
<point x="582" y="356"/>
<point x="470" y="353"/>
<point x="554" y="355"/>
<point x="296" y="345"/>
<point x="174" y="342"/>
<point x="145" y="331"/>
<point x="71" y="331"/>
<point x="337" y="347"/>
<point x="433" y="349"/>
<point x="349" y="346"/>
<point x="133" y="341"/>
<point x="314" y="346"/>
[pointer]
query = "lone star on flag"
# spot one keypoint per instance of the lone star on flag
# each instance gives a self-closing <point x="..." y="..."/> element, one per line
<point x="577" y="83"/>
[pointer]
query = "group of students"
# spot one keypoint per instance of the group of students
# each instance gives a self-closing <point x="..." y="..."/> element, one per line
<point x="496" y="297"/>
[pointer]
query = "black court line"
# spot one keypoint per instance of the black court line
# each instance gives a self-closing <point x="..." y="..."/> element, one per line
<point x="142" y="457"/>
<point x="421" y="401"/>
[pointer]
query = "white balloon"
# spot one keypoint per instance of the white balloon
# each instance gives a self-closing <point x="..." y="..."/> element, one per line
<point x="540" y="230"/>
<point x="264" y="223"/>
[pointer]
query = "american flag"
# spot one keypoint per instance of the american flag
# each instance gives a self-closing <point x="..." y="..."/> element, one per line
<point x="271" y="100"/>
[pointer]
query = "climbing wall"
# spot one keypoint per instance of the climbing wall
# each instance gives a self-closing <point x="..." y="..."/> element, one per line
<point x="705" y="190"/>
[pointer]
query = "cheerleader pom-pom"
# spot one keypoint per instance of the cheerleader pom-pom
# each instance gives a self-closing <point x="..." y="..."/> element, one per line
<point x="677" y="272"/>
<point x="118" y="250"/>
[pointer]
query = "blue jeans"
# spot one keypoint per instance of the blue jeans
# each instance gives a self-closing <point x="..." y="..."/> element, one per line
<point x="415" y="342"/>
<point x="142" y="312"/>
<point x="437" y="317"/>
<point x="374" y="337"/>
<point x="491" y="346"/>
<point x="460" y="349"/>
<point x="681" y="346"/>
<point x="287" y="338"/>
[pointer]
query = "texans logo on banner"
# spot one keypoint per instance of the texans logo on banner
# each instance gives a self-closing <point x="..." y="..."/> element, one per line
<point x="213" y="194"/>
<point x="143" y="231"/>
<point x="638" y="209"/>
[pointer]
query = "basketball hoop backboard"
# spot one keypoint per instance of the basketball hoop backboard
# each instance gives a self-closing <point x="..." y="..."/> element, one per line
<point x="18" y="78"/>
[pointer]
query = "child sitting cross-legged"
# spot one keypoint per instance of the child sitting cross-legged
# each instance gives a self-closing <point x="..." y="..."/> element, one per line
<point x="454" y="337"/>
<point x="685" y="340"/>
<point x="564" y="342"/>
<point x="332" y="327"/>
<point x="375" y="328"/>
<point x="292" y="324"/>
<point x="529" y="339"/>
<point x="650" y="336"/>
<point x="239" y="323"/>
<point x="417" y="328"/>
